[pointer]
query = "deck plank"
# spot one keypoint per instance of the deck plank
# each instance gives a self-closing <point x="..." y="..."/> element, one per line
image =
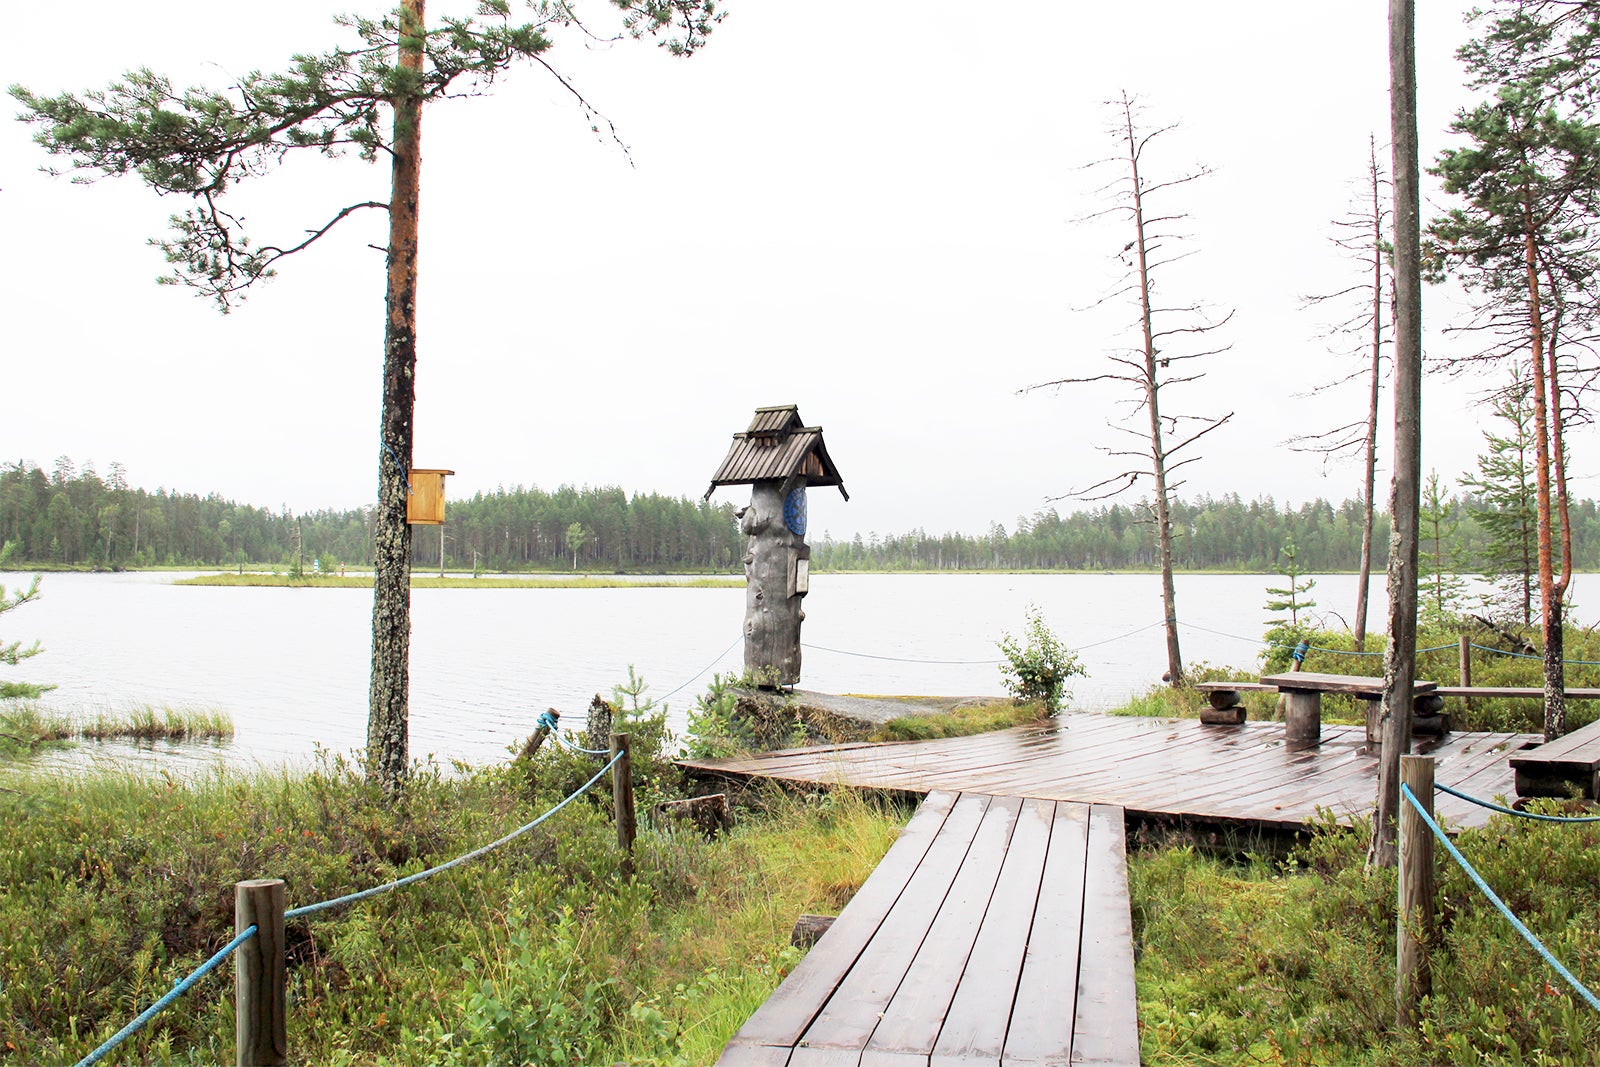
<point x="914" y="1018"/>
<point x="978" y="956"/>
<point x="985" y="989"/>
<point x="783" y="1018"/>
<point x="1169" y="767"/>
<point x="1046" y="990"/>
<point x="977" y="829"/>
<point x="1106" y="1026"/>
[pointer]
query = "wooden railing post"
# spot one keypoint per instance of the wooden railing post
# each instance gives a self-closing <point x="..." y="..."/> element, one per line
<point x="1414" y="917"/>
<point x="1466" y="669"/>
<point x="260" y="975"/>
<point x="622" y="798"/>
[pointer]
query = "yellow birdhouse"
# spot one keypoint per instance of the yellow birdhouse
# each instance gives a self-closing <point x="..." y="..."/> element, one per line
<point x="425" y="502"/>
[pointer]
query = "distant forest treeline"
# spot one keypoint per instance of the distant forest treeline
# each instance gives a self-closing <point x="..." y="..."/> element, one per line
<point x="76" y="517"/>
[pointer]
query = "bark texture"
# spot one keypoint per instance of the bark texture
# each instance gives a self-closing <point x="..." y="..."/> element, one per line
<point x="1158" y="452"/>
<point x="1405" y="495"/>
<point x="388" y="706"/>
<point x="771" y="616"/>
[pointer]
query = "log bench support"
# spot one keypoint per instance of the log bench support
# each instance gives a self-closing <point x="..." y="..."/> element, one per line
<point x="1224" y="703"/>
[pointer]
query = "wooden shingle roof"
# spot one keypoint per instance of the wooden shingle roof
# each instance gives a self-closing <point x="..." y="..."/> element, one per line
<point x="777" y="447"/>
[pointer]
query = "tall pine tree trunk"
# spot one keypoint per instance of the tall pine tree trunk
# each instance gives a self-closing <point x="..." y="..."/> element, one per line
<point x="1545" y="397"/>
<point x="1405" y="495"/>
<point x="387" y="752"/>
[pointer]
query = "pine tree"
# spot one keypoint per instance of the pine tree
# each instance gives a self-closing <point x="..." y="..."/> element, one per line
<point x="1506" y="508"/>
<point x="1527" y="180"/>
<point x="13" y="653"/>
<point x="201" y="144"/>
<point x="1439" y="583"/>
<point x="1289" y="598"/>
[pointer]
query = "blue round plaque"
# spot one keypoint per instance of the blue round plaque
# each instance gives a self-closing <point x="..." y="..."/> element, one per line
<point x="794" y="511"/>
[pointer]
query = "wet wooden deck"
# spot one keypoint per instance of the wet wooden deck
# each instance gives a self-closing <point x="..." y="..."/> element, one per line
<point x="1242" y="775"/>
<point x="995" y="930"/>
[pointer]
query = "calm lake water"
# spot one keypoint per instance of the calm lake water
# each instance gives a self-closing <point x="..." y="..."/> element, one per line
<point x="290" y="665"/>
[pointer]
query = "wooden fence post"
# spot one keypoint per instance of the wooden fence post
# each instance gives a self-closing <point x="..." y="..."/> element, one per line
<point x="622" y="799"/>
<point x="540" y="732"/>
<point x="260" y="975"/>
<point x="1414" y="917"/>
<point x="1466" y="669"/>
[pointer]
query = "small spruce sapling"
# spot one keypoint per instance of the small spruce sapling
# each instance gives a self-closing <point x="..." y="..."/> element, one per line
<point x="13" y="653"/>
<point x="1037" y="669"/>
<point x="1284" y="632"/>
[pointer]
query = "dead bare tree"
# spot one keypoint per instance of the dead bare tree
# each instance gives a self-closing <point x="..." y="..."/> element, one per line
<point x="1405" y="487"/>
<point x="1361" y="331"/>
<point x="1171" y="338"/>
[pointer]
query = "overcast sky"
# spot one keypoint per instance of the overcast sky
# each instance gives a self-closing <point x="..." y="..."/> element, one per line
<point x="865" y="210"/>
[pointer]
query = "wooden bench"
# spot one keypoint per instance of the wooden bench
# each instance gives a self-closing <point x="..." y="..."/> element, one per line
<point x="1302" y="718"/>
<point x="996" y="928"/>
<point x="1555" y="767"/>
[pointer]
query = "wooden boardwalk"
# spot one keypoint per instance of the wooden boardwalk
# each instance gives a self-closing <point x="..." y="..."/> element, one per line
<point x="996" y="929"/>
<point x="1243" y="775"/>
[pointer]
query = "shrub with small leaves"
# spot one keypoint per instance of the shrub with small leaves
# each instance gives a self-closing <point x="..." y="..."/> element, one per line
<point x="1037" y="668"/>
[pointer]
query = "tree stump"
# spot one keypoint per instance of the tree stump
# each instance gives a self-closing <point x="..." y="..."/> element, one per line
<point x="808" y="929"/>
<point x="708" y="814"/>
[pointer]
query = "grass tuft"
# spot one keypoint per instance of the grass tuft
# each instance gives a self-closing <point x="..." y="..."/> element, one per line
<point x="960" y="722"/>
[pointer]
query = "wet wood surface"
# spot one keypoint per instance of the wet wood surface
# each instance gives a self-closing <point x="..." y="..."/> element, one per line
<point x="997" y="929"/>
<point x="1243" y="775"/>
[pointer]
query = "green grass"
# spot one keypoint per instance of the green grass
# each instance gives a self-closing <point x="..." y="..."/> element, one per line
<point x="27" y="728"/>
<point x="958" y="723"/>
<point x="1244" y="960"/>
<point x="418" y="581"/>
<point x="147" y="722"/>
<point x="117" y="885"/>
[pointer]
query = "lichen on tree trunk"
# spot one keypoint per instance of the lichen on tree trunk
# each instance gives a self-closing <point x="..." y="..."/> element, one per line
<point x="771" y="617"/>
<point x="388" y="711"/>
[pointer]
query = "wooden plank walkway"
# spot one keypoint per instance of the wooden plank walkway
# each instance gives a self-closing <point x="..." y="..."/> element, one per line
<point x="1179" y="767"/>
<point x="996" y="929"/>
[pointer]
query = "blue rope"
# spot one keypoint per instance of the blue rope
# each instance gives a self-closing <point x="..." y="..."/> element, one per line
<point x="1524" y="655"/>
<point x="404" y="469"/>
<point x="1513" y="811"/>
<point x="1119" y="637"/>
<point x="1300" y="651"/>
<point x="703" y="670"/>
<point x="1516" y="923"/>
<point x="903" y="659"/>
<point x="161" y="1005"/>
<point x="977" y="662"/>
<point x="570" y="746"/>
<point x="351" y="898"/>
<point x="549" y="720"/>
<point x="1339" y="651"/>
<point x="210" y="965"/>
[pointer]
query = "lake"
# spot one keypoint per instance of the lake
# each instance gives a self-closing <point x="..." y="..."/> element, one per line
<point x="291" y="665"/>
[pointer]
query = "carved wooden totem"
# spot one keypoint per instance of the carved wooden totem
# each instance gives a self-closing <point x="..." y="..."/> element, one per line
<point x="778" y="458"/>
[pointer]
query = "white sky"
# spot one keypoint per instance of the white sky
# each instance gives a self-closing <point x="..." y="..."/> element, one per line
<point x="865" y="210"/>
